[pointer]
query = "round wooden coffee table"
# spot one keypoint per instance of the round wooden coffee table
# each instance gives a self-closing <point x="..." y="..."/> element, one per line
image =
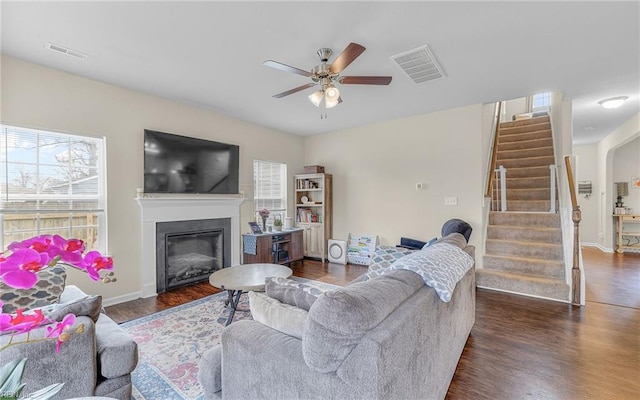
<point x="244" y="278"/>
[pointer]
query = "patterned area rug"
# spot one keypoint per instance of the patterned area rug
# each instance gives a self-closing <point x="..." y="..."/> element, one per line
<point x="171" y="342"/>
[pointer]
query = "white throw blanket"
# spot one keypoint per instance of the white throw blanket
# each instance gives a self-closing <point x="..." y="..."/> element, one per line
<point x="441" y="267"/>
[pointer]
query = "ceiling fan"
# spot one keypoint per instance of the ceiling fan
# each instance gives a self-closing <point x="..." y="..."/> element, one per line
<point x="326" y="75"/>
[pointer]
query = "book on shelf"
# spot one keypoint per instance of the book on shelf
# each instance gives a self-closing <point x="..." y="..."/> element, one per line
<point x="306" y="215"/>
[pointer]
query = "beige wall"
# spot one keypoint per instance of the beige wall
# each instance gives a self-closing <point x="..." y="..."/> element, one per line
<point x="587" y="170"/>
<point x="375" y="170"/>
<point x="39" y="97"/>
<point x="626" y="165"/>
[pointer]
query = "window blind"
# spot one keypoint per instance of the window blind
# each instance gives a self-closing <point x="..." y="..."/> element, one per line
<point x="270" y="187"/>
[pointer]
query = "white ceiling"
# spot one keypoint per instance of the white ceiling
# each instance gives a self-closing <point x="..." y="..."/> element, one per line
<point x="210" y="54"/>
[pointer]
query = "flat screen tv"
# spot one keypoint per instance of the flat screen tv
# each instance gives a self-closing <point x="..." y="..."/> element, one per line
<point x="180" y="164"/>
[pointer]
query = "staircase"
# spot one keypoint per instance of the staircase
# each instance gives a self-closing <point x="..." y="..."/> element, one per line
<point x="524" y="252"/>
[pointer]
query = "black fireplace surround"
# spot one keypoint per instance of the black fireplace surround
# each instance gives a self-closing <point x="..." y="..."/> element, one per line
<point x="190" y="251"/>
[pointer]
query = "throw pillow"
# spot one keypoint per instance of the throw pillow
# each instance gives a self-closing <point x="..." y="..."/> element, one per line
<point x="276" y="315"/>
<point x="45" y="292"/>
<point x="292" y="292"/>
<point x="88" y="306"/>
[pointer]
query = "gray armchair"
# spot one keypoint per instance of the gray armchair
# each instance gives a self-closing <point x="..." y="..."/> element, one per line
<point x="97" y="362"/>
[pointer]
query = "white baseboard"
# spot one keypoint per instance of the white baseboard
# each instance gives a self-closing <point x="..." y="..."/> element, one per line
<point x="598" y="246"/>
<point x="525" y="294"/>
<point x="121" y="299"/>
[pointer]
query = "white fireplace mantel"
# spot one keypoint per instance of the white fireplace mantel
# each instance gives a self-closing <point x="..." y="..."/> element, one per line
<point x="183" y="208"/>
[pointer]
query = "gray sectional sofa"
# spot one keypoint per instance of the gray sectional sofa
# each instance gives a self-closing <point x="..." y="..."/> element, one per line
<point x="388" y="337"/>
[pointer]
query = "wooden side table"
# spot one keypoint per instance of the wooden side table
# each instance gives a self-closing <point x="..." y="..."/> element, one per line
<point x="623" y="224"/>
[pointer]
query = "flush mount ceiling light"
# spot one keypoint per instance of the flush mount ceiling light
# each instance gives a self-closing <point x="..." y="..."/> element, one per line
<point x="613" y="102"/>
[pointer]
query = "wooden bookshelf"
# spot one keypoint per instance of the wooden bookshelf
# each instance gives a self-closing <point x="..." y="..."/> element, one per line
<point x="314" y="212"/>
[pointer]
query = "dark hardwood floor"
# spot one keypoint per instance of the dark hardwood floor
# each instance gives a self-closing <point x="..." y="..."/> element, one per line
<point x="520" y="347"/>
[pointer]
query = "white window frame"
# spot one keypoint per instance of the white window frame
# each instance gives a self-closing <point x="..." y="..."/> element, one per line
<point x="265" y="197"/>
<point x="7" y="195"/>
<point x="546" y="97"/>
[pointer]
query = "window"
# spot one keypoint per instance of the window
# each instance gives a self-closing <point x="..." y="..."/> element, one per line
<point x="541" y="102"/>
<point x="270" y="187"/>
<point x="51" y="183"/>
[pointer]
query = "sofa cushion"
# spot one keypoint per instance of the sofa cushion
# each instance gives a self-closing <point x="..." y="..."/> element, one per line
<point x="46" y="291"/>
<point x="282" y="317"/>
<point x="117" y="351"/>
<point x="88" y="306"/>
<point x="341" y="317"/>
<point x="292" y="292"/>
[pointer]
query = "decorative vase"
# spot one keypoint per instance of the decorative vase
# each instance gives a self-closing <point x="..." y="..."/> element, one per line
<point x="264" y="224"/>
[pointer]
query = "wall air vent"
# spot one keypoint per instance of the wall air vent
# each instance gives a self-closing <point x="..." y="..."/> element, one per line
<point x="65" y="50"/>
<point x="419" y="64"/>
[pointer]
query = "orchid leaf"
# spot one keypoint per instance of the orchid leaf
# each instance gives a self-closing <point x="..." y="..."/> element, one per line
<point x="11" y="378"/>
<point x="45" y="393"/>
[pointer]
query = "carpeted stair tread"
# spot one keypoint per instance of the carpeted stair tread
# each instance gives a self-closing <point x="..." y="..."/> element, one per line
<point x="529" y="172"/>
<point x="525" y="153"/>
<point x="536" y="206"/>
<point x="523" y="284"/>
<point x="515" y="130"/>
<point x="524" y="265"/>
<point x="541" y="251"/>
<point x="525" y="122"/>
<point x="525" y="219"/>
<point x="525" y="144"/>
<point x="525" y="194"/>
<point x="529" y="182"/>
<point x="504" y="138"/>
<point x="525" y="233"/>
<point x="536" y="161"/>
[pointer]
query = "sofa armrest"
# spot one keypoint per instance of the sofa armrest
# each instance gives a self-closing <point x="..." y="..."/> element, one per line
<point x="75" y="365"/>
<point x="117" y="351"/>
<point x="260" y="362"/>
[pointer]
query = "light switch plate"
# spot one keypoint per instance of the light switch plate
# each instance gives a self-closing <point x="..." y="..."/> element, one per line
<point x="451" y="201"/>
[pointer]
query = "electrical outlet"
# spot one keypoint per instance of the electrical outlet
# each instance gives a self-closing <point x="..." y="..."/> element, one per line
<point x="451" y="201"/>
<point x="421" y="186"/>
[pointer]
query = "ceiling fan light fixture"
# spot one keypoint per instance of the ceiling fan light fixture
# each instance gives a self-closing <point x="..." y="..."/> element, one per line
<point x="613" y="102"/>
<point x="330" y="103"/>
<point x="316" y="97"/>
<point x="332" y="94"/>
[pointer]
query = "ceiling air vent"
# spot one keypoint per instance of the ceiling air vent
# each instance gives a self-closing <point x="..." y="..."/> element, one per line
<point x="419" y="64"/>
<point x="65" y="50"/>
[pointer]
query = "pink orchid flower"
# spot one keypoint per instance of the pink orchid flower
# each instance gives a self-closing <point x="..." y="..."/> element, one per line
<point x="68" y="251"/>
<point x="40" y="244"/>
<point x="20" y="269"/>
<point x="60" y="331"/>
<point x="94" y="262"/>
<point x="20" y="322"/>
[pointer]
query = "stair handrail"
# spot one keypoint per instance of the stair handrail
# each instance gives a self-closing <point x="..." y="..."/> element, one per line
<point x="494" y="152"/>
<point x="576" y="216"/>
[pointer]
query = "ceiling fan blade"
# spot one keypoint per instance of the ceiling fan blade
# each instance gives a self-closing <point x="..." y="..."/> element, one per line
<point x="286" y="68"/>
<point x="350" y="53"/>
<point x="364" y="80"/>
<point x="294" y="90"/>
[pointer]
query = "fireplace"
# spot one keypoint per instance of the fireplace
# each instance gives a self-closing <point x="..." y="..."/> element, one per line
<point x="190" y="251"/>
<point x="156" y="210"/>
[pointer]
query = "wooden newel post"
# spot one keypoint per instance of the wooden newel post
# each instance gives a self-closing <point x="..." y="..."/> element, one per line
<point x="575" y="271"/>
